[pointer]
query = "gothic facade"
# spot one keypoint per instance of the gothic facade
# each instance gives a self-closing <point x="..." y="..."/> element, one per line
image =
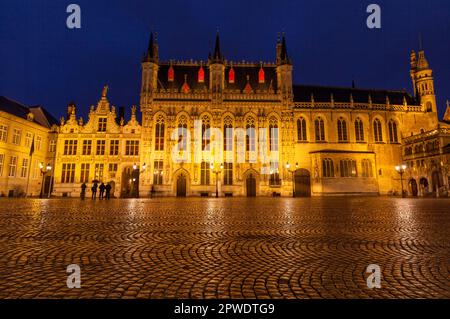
<point x="228" y="128"/>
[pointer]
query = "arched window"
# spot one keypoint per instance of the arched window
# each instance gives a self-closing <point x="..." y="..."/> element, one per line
<point x="342" y="130"/>
<point x="182" y="133"/>
<point x="327" y="167"/>
<point x="319" y="129"/>
<point x="159" y="134"/>
<point x="250" y="137"/>
<point x="359" y="130"/>
<point x="393" y="132"/>
<point x="228" y="134"/>
<point x="348" y="168"/>
<point x="273" y="134"/>
<point x="377" y="131"/>
<point x="206" y="133"/>
<point x="301" y="130"/>
<point x="205" y="172"/>
<point x="366" y="166"/>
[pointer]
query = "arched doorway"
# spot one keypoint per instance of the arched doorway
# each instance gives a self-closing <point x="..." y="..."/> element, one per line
<point x="251" y="186"/>
<point x="130" y="183"/>
<point x="424" y="185"/>
<point x="181" y="185"/>
<point x="413" y="187"/>
<point x="302" y="179"/>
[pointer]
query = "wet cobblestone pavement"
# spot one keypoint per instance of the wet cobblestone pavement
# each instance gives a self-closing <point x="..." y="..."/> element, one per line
<point x="225" y="248"/>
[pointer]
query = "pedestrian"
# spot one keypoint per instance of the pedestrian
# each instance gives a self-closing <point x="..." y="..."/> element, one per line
<point x="94" y="190"/>
<point x="108" y="191"/>
<point x="83" y="191"/>
<point x="102" y="191"/>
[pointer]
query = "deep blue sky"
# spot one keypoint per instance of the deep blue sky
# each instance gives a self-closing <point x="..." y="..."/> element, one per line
<point x="43" y="62"/>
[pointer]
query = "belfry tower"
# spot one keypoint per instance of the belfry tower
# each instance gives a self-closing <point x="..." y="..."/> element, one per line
<point x="422" y="80"/>
<point x="149" y="76"/>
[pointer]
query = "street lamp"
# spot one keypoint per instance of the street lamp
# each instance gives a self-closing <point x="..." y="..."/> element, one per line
<point x="217" y="172"/>
<point x="401" y="170"/>
<point x="44" y="171"/>
<point x="133" y="179"/>
<point x="288" y="166"/>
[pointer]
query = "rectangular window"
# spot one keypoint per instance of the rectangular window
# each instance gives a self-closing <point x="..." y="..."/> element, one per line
<point x="112" y="170"/>
<point x="114" y="147"/>
<point x="12" y="166"/>
<point x="3" y="133"/>
<point x="102" y="124"/>
<point x="205" y="173"/>
<point x="99" y="168"/>
<point x="24" y="170"/>
<point x="36" y="170"/>
<point x="84" y="177"/>
<point x="348" y="168"/>
<point x="52" y="146"/>
<point x="68" y="173"/>
<point x="327" y="167"/>
<point x="16" y="136"/>
<point x="87" y="147"/>
<point x="228" y="173"/>
<point x="101" y="147"/>
<point x="70" y="147"/>
<point x="132" y="148"/>
<point x="367" y="168"/>
<point x="38" y="143"/>
<point x="158" y="172"/>
<point x="2" y="161"/>
<point x="28" y="139"/>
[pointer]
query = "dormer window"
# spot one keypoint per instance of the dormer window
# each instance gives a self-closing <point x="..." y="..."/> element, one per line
<point x="102" y="124"/>
<point x="170" y="74"/>
<point x="231" y="75"/>
<point x="261" y="77"/>
<point x="201" y="75"/>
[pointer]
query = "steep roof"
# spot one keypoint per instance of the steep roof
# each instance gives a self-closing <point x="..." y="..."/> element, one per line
<point x="41" y="115"/>
<point x="303" y="93"/>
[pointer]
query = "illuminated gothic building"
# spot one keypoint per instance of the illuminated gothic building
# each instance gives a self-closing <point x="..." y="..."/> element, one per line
<point x="278" y="138"/>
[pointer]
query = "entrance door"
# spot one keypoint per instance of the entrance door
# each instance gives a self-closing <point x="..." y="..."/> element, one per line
<point x="251" y="186"/>
<point x="413" y="186"/>
<point x="181" y="186"/>
<point x="302" y="183"/>
<point x="130" y="183"/>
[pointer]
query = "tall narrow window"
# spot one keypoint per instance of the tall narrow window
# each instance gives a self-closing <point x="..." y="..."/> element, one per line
<point x="70" y="147"/>
<point x="327" y="167"/>
<point x="273" y="134"/>
<point x="366" y="166"/>
<point x="201" y="75"/>
<point x="99" y="170"/>
<point x="159" y="134"/>
<point x="132" y="148"/>
<point x="24" y="170"/>
<point x="84" y="176"/>
<point x="52" y="146"/>
<point x="319" y="130"/>
<point x="231" y="75"/>
<point x="158" y="172"/>
<point x="250" y="136"/>
<point x="206" y="133"/>
<point x="3" y="133"/>
<point x="228" y="134"/>
<point x="301" y="130"/>
<point x="68" y="173"/>
<point x="182" y="133"/>
<point x="261" y="77"/>
<point x="377" y="131"/>
<point x="87" y="147"/>
<point x="102" y="124"/>
<point x="114" y="147"/>
<point x="16" y="136"/>
<point x="393" y="138"/>
<point x="205" y="172"/>
<point x="348" y="168"/>
<point x="28" y="139"/>
<point x="101" y="147"/>
<point x="12" y="166"/>
<point x="2" y="163"/>
<point x="342" y="130"/>
<point x="359" y="130"/>
<point x="228" y="173"/>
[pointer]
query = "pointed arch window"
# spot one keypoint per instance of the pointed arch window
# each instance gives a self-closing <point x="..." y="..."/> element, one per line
<point x="201" y="75"/>
<point x="159" y="134"/>
<point x="273" y="134"/>
<point x="231" y="75"/>
<point x="359" y="130"/>
<point x="377" y="131"/>
<point x="393" y="136"/>
<point x="342" y="130"/>
<point x="250" y="137"/>
<point x="319" y="126"/>
<point x="261" y="75"/>
<point x="301" y="130"/>
<point x="228" y="134"/>
<point x="182" y="133"/>
<point x="170" y="74"/>
<point x="206" y="133"/>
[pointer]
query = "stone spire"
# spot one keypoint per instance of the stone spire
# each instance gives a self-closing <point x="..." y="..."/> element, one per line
<point x="217" y="56"/>
<point x="152" y="50"/>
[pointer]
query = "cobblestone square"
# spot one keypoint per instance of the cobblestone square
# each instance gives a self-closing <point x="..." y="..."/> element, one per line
<point x="225" y="248"/>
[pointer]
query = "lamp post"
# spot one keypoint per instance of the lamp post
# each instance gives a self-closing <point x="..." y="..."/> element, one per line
<point x="401" y="170"/>
<point x="44" y="171"/>
<point x="217" y="172"/>
<point x="133" y="178"/>
<point x="288" y="166"/>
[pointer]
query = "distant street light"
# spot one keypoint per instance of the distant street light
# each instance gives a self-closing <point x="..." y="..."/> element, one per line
<point x="288" y="166"/>
<point x="401" y="170"/>
<point x="44" y="171"/>
<point x="217" y="172"/>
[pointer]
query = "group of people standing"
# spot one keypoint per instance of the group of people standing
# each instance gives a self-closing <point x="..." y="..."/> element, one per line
<point x="104" y="190"/>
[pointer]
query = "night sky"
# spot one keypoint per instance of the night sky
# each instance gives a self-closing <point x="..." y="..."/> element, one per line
<point x="43" y="62"/>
